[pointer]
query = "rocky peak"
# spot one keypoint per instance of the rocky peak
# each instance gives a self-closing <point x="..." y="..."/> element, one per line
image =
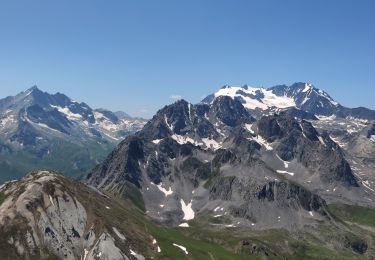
<point x="308" y="98"/>
<point x="230" y="111"/>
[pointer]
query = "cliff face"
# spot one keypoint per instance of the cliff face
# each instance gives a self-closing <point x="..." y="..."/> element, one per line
<point x="46" y="214"/>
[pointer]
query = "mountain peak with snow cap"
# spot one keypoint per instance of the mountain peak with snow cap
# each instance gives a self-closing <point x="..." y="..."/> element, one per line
<point x="300" y="95"/>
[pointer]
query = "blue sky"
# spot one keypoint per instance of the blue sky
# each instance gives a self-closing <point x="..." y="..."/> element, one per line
<point x="133" y="55"/>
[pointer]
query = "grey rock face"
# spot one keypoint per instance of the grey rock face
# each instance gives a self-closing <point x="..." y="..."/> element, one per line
<point x="105" y="248"/>
<point x="256" y="166"/>
<point x="230" y="111"/>
<point x="39" y="214"/>
<point x="302" y="142"/>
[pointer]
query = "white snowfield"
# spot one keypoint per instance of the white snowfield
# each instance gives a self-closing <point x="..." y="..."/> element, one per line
<point x="269" y="99"/>
<point x="248" y="128"/>
<point x="183" y="139"/>
<point x="307" y="88"/>
<point x="182" y="248"/>
<point x="160" y="187"/>
<point x="69" y="114"/>
<point x="260" y="140"/>
<point x="44" y="126"/>
<point x="187" y="209"/>
<point x="136" y="255"/>
<point x="290" y="173"/>
<point x="211" y="143"/>
<point x="207" y="142"/>
<point x="156" y="141"/>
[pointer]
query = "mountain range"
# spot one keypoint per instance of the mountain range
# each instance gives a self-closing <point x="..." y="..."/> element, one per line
<point x="44" y="131"/>
<point x="248" y="173"/>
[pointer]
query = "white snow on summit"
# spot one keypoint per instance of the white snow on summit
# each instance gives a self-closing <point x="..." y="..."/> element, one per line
<point x="266" y="98"/>
<point x="307" y="87"/>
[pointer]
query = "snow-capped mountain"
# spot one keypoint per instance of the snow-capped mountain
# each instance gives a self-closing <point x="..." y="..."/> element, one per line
<point x="246" y="174"/>
<point x="61" y="114"/>
<point x="302" y="96"/>
<point x="186" y="150"/>
<point x="246" y="159"/>
<point x="41" y="124"/>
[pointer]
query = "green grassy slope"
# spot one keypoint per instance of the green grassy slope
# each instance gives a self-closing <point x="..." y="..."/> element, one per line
<point x="353" y="213"/>
<point x="72" y="159"/>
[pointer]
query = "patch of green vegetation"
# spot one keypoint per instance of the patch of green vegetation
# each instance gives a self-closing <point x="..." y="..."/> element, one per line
<point x="2" y="198"/>
<point x="352" y="213"/>
<point x="197" y="248"/>
<point x="208" y="183"/>
<point x="134" y="195"/>
<point x="202" y="241"/>
<point x="72" y="159"/>
<point x="219" y="220"/>
<point x="303" y="250"/>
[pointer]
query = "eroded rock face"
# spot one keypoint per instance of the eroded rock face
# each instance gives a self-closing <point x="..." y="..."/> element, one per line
<point x="301" y="141"/>
<point x="228" y="164"/>
<point x="105" y="248"/>
<point x="41" y="217"/>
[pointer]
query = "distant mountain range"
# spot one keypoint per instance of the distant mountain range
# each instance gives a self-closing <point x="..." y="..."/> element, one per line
<point x="40" y="130"/>
<point x="248" y="173"/>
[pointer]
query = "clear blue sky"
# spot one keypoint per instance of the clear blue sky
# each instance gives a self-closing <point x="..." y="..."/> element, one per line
<point x="133" y="55"/>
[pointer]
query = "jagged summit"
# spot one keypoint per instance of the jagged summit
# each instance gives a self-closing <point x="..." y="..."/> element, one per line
<point x="32" y="88"/>
<point x="303" y="96"/>
<point x="218" y="155"/>
<point x="248" y="161"/>
<point x="41" y="124"/>
<point x="280" y="96"/>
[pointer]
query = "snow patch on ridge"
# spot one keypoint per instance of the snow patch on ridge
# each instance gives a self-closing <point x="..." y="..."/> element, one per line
<point x="166" y="122"/>
<point x="184" y="139"/>
<point x="260" y="140"/>
<point x="248" y="128"/>
<point x="187" y="209"/>
<point x="136" y="255"/>
<point x="307" y="87"/>
<point x="211" y="143"/>
<point x="290" y="173"/>
<point x="156" y="141"/>
<point x="160" y="187"/>
<point x="182" y="248"/>
<point x="69" y="114"/>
